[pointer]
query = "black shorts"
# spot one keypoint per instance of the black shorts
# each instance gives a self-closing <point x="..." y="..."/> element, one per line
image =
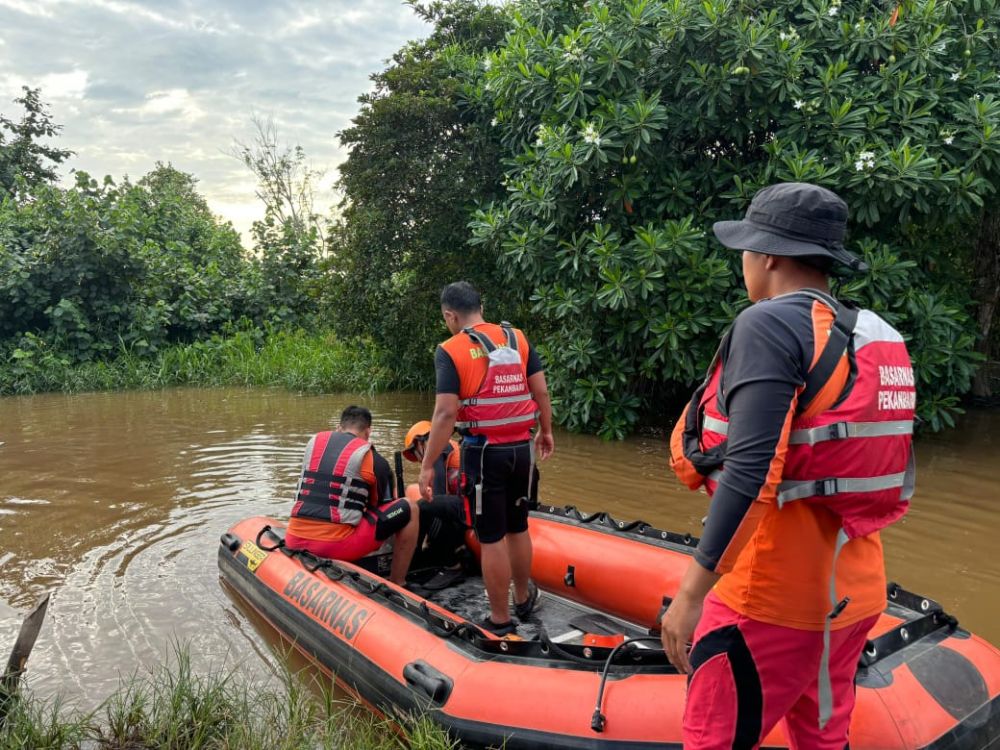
<point x="390" y="519"/>
<point x="504" y="471"/>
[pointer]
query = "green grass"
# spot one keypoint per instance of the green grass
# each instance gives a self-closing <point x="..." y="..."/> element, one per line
<point x="174" y="708"/>
<point x="297" y="360"/>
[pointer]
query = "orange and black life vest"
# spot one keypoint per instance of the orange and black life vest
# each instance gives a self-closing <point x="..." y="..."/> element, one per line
<point x="331" y="487"/>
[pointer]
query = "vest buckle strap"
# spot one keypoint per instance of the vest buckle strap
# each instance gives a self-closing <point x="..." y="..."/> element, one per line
<point x="840" y="607"/>
<point x="838" y="431"/>
<point x="826" y="487"/>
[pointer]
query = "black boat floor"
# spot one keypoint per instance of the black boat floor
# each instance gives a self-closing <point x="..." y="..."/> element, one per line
<point x="563" y="620"/>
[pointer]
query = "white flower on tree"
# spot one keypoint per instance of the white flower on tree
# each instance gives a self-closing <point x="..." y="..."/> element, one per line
<point x="865" y="161"/>
<point x="590" y="135"/>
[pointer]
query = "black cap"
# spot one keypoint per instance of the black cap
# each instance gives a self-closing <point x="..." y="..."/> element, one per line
<point x="792" y="218"/>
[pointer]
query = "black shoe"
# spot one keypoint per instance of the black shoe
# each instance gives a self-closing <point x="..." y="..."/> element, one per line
<point x="525" y="608"/>
<point x="444" y="578"/>
<point x="501" y="629"/>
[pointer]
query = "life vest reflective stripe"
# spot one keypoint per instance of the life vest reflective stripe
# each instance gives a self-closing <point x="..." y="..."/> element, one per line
<point x="841" y="430"/>
<point x="503" y="409"/>
<point x="331" y="487"/>
<point x="799" y="490"/>
<point x="835" y="431"/>
<point x="474" y="401"/>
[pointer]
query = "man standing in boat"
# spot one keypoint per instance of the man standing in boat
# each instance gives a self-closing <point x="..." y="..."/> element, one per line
<point x="344" y="505"/>
<point x="801" y="434"/>
<point x="491" y="386"/>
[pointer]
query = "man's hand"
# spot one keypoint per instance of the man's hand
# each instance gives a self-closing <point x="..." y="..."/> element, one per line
<point x="678" y="624"/>
<point x="544" y="445"/>
<point x="681" y="618"/>
<point x="426" y="483"/>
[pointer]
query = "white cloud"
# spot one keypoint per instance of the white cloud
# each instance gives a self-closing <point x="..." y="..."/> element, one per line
<point x="302" y="22"/>
<point x="28" y="7"/>
<point x="71" y="85"/>
<point x="173" y="102"/>
<point x="133" y="10"/>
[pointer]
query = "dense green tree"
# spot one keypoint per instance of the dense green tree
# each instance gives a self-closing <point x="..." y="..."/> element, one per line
<point x="87" y="270"/>
<point x="24" y="153"/>
<point x="633" y="124"/>
<point x="420" y="155"/>
<point x="289" y="283"/>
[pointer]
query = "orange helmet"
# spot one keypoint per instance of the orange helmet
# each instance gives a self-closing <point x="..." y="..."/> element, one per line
<point x="420" y="430"/>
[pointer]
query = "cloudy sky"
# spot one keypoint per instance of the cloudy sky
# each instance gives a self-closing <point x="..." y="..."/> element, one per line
<point x="134" y="82"/>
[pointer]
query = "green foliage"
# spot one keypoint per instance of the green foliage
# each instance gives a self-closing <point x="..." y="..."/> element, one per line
<point x="634" y="124"/>
<point x="101" y="270"/>
<point x="99" y="280"/>
<point x="420" y="154"/>
<point x="90" y="268"/>
<point x="173" y="706"/>
<point x="288" y="282"/>
<point x="288" y="358"/>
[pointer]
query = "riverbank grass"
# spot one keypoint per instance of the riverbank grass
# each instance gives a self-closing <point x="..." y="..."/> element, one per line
<point x="298" y="360"/>
<point x="173" y="708"/>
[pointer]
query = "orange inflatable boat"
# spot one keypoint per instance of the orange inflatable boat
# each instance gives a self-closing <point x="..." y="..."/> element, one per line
<point x="585" y="671"/>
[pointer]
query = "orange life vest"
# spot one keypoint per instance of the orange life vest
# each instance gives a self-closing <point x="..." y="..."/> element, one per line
<point x="854" y="458"/>
<point x="503" y="409"/>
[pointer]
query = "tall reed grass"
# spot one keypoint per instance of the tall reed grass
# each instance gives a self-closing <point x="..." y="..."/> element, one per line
<point x="173" y="707"/>
<point x="297" y="360"/>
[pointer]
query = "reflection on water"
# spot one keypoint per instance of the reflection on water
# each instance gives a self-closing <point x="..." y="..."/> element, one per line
<point x="115" y="502"/>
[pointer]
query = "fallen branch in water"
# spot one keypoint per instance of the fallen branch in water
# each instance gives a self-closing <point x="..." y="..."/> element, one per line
<point x="19" y="655"/>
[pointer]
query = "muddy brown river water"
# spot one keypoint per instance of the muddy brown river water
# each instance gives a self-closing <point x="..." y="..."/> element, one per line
<point x="115" y="503"/>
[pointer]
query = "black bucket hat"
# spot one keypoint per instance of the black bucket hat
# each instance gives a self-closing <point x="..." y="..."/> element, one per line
<point x="793" y="218"/>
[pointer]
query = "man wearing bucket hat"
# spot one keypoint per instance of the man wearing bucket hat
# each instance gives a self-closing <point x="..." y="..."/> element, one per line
<point x="801" y="435"/>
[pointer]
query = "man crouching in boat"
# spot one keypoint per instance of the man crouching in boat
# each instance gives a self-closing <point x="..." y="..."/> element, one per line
<point x="801" y="434"/>
<point x="443" y="521"/>
<point x="344" y="506"/>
